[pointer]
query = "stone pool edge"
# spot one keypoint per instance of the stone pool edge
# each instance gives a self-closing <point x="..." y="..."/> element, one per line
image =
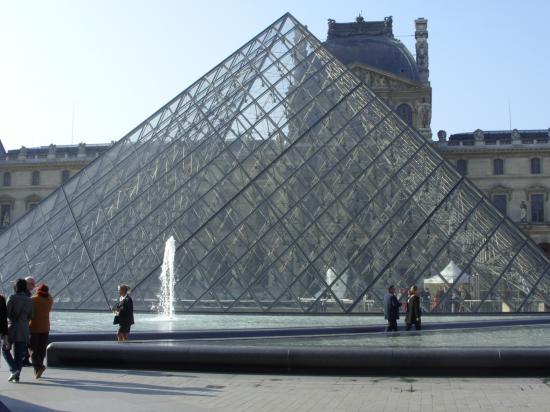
<point x="427" y="361"/>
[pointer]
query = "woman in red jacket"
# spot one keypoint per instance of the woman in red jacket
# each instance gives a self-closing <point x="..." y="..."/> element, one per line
<point x="40" y="328"/>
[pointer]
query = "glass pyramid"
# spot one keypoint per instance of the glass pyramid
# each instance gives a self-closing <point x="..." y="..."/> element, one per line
<point x="289" y="186"/>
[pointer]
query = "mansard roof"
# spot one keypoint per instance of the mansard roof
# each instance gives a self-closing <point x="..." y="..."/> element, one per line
<point x="493" y="135"/>
<point x="60" y="151"/>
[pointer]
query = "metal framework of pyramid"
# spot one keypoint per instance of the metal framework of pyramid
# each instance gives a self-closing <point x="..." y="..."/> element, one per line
<point x="289" y="186"/>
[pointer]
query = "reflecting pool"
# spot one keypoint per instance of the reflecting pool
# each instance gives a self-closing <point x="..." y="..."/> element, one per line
<point x="515" y="336"/>
<point x="103" y="321"/>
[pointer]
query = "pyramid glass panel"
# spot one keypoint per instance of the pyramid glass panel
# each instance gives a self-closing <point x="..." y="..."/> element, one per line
<point x="289" y="186"/>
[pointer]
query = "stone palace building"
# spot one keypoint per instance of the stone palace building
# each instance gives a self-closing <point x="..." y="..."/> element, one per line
<point x="28" y="175"/>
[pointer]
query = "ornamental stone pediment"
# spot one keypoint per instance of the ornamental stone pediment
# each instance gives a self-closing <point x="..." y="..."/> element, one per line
<point x="4" y="198"/>
<point x="33" y="198"/>
<point x="537" y="189"/>
<point x="377" y="79"/>
<point x="500" y="189"/>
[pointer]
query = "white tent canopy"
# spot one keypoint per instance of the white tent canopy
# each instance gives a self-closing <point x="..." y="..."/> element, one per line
<point x="451" y="273"/>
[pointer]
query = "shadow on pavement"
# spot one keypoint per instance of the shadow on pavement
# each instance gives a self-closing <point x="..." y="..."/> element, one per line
<point x="128" y="387"/>
<point x="132" y="372"/>
<point x="16" y="405"/>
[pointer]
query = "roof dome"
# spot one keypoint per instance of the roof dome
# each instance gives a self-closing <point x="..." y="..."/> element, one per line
<point x="372" y="44"/>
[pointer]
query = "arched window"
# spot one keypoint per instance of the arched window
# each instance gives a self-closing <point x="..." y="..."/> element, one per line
<point x="462" y="166"/>
<point x="405" y="112"/>
<point x="7" y="179"/>
<point x="535" y="166"/>
<point x="35" y="178"/>
<point x="498" y="167"/>
<point x="65" y="174"/>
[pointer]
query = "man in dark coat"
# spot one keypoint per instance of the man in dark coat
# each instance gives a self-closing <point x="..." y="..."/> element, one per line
<point x="20" y="311"/>
<point x="391" y="309"/>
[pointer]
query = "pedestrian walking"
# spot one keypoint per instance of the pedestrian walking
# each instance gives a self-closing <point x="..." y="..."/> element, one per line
<point x="40" y="328"/>
<point x="20" y="312"/>
<point x="31" y="286"/>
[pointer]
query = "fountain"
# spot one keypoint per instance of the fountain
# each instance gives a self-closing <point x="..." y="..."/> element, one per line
<point x="339" y="287"/>
<point x="167" y="279"/>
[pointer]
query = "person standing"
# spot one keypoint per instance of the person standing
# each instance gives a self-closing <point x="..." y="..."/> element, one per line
<point x="391" y="309"/>
<point x="439" y="294"/>
<point x="40" y="328"/>
<point x="124" y="313"/>
<point x="413" y="309"/>
<point x="3" y="321"/>
<point x="31" y="284"/>
<point x="19" y="311"/>
<point x="426" y="298"/>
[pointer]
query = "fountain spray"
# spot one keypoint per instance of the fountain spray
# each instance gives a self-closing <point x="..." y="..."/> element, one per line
<point x="167" y="280"/>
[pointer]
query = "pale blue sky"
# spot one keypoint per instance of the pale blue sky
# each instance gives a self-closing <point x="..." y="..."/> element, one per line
<point x="118" y="61"/>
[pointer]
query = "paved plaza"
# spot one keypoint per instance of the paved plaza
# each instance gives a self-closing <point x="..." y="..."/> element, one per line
<point x="124" y="390"/>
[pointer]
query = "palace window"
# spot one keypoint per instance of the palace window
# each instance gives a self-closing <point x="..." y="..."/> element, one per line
<point x="500" y="203"/>
<point x="535" y="166"/>
<point x="498" y="167"/>
<point x="7" y="179"/>
<point x="5" y="215"/>
<point x="65" y="174"/>
<point x="32" y="201"/>
<point x="35" y="178"/>
<point x="537" y="208"/>
<point x="462" y="166"/>
<point x="405" y="112"/>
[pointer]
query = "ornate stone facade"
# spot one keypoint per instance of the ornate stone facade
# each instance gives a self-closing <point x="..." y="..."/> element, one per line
<point x="407" y="90"/>
<point x="370" y="50"/>
<point x="512" y="168"/>
<point x="28" y="175"/>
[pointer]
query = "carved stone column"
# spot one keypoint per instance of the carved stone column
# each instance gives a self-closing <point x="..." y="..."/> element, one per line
<point x="423" y="111"/>
<point x="422" y="61"/>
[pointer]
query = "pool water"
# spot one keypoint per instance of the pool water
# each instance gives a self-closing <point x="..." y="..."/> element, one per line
<point x="513" y="336"/>
<point x="103" y="321"/>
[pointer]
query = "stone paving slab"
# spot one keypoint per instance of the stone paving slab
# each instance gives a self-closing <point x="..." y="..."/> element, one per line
<point x="103" y="390"/>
